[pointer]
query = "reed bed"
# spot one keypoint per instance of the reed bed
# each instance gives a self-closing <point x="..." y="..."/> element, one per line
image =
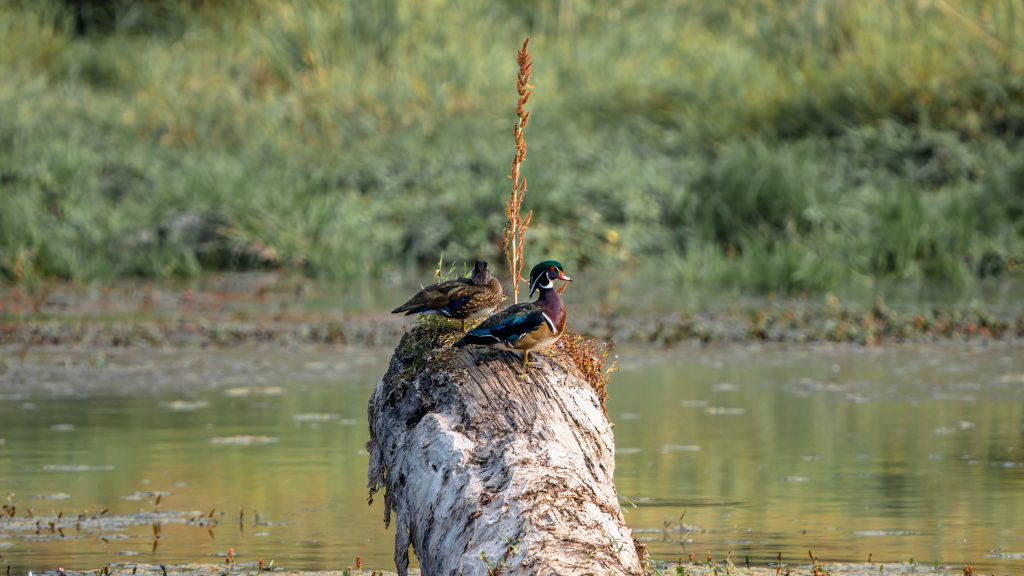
<point x="762" y="145"/>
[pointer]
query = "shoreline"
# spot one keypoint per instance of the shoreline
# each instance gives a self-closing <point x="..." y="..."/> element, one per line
<point x="243" y="309"/>
<point x="768" y="325"/>
<point x="688" y="569"/>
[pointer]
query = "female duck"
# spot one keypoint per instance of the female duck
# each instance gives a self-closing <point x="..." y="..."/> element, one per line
<point x="462" y="299"/>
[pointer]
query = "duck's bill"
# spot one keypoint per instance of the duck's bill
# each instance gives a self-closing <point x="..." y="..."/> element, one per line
<point x="562" y="276"/>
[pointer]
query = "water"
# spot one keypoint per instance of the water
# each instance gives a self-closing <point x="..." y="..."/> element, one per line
<point x="904" y="452"/>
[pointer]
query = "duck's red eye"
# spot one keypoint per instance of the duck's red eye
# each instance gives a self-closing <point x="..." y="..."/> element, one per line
<point x="552" y="268"/>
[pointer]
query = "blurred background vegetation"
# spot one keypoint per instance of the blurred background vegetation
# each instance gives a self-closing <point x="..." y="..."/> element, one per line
<point x="762" y="145"/>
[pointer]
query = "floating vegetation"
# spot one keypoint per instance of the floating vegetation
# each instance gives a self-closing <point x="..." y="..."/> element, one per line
<point x="1006" y="555"/>
<point x="723" y="411"/>
<point x="1008" y="464"/>
<point x="243" y="391"/>
<point x="54" y="496"/>
<point x="242" y="440"/>
<point x="667" y="448"/>
<point x="75" y="468"/>
<point x="138" y="496"/>
<point x="960" y="426"/>
<point x="185" y="405"/>
<point x="883" y="533"/>
<point x="313" y="417"/>
<point x="64" y="525"/>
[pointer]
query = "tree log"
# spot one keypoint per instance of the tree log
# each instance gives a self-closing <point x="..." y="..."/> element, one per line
<point x="490" y="468"/>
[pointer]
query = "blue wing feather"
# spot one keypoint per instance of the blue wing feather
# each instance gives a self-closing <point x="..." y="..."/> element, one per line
<point x="454" y="305"/>
<point x="511" y="328"/>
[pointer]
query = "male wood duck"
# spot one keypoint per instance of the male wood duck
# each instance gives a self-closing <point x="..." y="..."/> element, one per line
<point x="462" y="299"/>
<point x="527" y="326"/>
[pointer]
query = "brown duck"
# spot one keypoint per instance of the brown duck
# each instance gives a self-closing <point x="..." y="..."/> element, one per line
<point x="462" y="299"/>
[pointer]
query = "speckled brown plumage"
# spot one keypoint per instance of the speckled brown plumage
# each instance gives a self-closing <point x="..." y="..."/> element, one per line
<point x="462" y="299"/>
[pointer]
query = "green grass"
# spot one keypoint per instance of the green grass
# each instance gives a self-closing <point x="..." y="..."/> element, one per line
<point x="769" y="145"/>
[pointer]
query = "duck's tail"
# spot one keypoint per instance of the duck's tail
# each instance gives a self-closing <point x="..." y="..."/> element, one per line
<point x="478" y="336"/>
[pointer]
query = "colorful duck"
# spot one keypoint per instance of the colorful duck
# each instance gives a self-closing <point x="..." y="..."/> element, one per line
<point x="462" y="299"/>
<point x="527" y="326"/>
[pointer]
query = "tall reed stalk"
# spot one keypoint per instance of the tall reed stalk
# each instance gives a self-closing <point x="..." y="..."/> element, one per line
<point x="515" y="233"/>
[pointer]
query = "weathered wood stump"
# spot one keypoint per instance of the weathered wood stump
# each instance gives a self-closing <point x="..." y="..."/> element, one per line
<point x="490" y="468"/>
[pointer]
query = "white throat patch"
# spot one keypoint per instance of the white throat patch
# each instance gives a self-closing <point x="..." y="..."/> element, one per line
<point x="539" y="283"/>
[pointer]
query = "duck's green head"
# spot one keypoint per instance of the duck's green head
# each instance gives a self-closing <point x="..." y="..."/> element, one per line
<point x="543" y="275"/>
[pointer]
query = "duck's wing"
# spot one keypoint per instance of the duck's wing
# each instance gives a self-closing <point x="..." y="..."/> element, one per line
<point x="509" y="325"/>
<point x="446" y="297"/>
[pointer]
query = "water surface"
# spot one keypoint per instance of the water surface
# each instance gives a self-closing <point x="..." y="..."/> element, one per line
<point x="898" y="453"/>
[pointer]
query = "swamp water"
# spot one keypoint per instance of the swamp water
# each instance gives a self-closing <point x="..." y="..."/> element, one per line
<point x="174" y="456"/>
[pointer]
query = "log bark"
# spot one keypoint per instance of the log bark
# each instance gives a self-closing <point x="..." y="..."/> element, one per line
<point x="489" y="468"/>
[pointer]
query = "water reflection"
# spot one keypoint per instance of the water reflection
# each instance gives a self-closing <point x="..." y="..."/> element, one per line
<point x="905" y="452"/>
<point x="898" y="453"/>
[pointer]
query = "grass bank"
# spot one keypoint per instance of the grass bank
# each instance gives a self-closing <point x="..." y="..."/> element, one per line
<point x="763" y="145"/>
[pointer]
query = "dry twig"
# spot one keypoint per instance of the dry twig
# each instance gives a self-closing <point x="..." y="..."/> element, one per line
<point x="515" y="233"/>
